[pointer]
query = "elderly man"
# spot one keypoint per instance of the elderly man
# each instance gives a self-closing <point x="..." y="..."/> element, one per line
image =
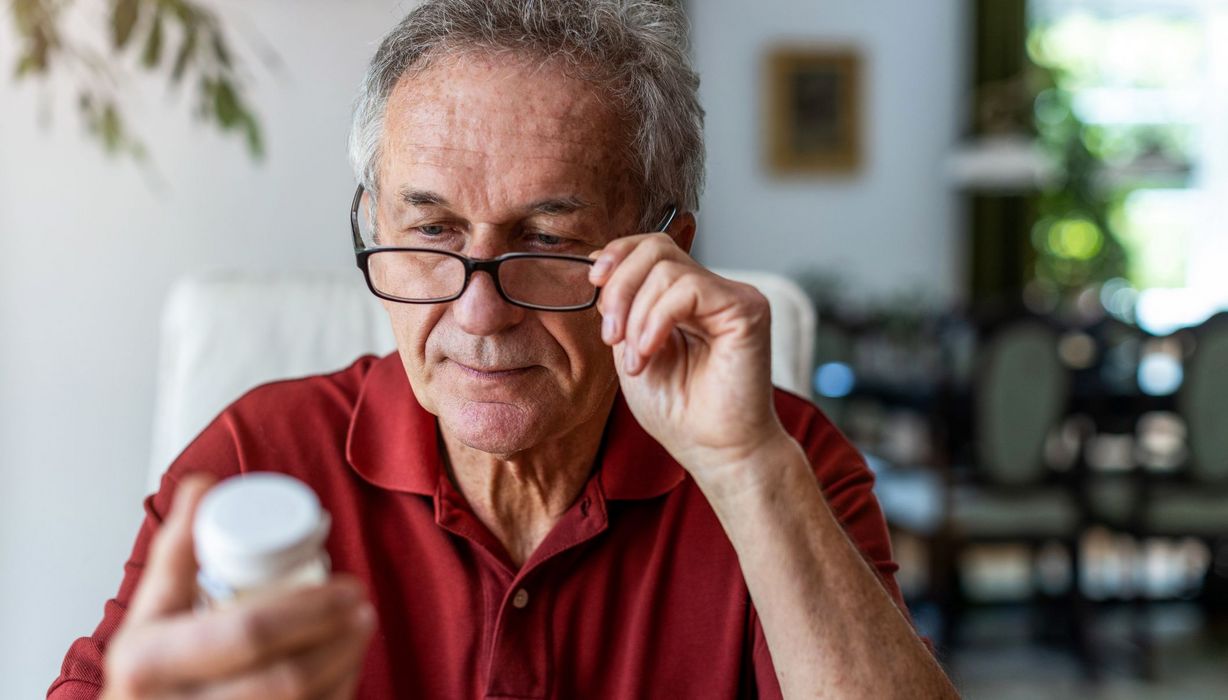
<point x="573" y="479"/>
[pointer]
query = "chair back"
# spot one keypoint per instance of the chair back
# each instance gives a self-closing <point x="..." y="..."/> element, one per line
<point x="226" y="332"/>
<point x="1203" y="402"/>
<point x="1020" y="395"/>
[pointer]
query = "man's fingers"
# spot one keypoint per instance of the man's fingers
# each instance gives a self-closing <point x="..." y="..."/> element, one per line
<point x="675" y="305"/>
<point x="322" y="671"/>
<point x="661" y="278"/>
<point x="347" y="689"/>
<point x="632" y="263"/>
<point x="198" y="648"/>
<point x="168" y="584"/>
<point x="608" y="258"/>
<point x="164" y="647"/>
<point x="703" y="305"/>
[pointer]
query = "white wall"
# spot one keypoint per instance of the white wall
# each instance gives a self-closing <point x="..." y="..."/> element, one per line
<point x="89" y="247"/>
<point x="891" y="228"/>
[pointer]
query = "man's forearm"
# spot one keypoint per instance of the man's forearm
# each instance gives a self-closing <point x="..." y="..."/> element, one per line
<point x="831" y="627"/>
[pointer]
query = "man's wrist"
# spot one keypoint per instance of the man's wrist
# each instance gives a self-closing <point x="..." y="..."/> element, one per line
<point x="757" y="473"/>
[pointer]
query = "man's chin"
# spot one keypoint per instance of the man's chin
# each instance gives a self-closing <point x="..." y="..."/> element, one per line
<point x="497" y="428"/>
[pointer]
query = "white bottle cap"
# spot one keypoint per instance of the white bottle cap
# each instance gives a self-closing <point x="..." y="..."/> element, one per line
<point x="251" y="529"/>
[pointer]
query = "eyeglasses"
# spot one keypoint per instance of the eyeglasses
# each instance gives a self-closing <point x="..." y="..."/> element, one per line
<point x="539" y="281"/>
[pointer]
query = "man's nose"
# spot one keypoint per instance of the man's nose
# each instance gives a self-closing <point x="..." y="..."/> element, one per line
<point x="481" y="311"/>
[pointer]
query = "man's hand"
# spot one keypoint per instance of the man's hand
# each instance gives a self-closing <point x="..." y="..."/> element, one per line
<point x="308" y="643"/>
<point x="693" y="354"/>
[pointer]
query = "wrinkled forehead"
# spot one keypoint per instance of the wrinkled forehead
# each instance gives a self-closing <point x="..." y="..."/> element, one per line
<point x="499" y="120"/>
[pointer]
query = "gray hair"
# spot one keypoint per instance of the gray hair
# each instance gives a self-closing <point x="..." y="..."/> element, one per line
<point x="635" y="49"/>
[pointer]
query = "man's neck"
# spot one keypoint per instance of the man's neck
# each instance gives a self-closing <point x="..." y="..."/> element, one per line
<point x="520" y="497"/>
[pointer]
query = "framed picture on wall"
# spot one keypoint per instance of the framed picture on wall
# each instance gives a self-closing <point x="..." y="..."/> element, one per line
<point x="813" y="105"/>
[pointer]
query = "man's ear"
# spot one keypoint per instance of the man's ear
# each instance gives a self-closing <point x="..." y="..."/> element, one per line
<point x="682" y="230"/>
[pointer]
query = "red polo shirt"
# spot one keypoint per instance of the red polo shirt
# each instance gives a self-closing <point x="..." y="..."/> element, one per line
<point x="635" y="593"/>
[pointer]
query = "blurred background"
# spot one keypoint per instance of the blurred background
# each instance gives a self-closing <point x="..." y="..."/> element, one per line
<point x="1008" y="215"/>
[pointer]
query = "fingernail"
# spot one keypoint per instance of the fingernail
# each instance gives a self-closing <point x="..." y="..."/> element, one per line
<point x="608" y="326"/>
<point x="630" y="359"/>
<point x="601" y="267"/>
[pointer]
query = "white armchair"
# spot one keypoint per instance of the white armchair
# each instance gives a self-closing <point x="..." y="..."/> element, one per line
<point x="224" y="333"/>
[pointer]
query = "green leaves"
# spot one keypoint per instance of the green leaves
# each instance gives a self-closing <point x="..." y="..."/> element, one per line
<point x="33" y="62"/>
<point x="123" y="21"/>
<point x="36" y="22"/>
<point x="152" y="52"/>
<point x="103" y="121"/>
<point x="232" y="114"/>
<point x="149" y="28"/>
<point x="220" y="51"/>
<point x="183" y="55"/>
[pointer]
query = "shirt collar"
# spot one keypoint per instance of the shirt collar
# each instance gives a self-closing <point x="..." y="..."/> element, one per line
<point x="393" y="442"/>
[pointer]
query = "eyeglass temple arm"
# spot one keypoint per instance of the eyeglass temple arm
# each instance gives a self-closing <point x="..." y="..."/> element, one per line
<point x="358" y="244"/>
<point x="669" y="219"/>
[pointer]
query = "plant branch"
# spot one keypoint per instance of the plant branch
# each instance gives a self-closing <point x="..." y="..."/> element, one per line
<point x="146" y="29"/>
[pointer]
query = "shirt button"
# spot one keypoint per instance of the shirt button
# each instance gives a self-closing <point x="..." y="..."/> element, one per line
<point x="521" y="598"/>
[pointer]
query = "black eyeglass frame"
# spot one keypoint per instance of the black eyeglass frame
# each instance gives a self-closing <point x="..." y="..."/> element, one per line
<point x="489" y="265"/>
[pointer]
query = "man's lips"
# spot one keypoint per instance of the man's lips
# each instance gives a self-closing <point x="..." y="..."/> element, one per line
<point x="490" y="372"/>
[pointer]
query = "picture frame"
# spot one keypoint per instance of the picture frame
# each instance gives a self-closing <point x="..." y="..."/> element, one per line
<point x="813" y="102"/>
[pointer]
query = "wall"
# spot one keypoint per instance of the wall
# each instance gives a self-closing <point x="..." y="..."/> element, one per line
<point x="89" y="247"/>
<point x="893" y="227"/>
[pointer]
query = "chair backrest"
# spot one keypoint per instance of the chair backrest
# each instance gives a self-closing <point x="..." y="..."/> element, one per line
<point x="224" y="333"/>
<point x="1020" y="395"/>
<point x="1203" y="402"/>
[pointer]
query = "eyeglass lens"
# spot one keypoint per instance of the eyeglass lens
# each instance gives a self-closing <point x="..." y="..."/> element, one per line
<point x="422" y="276"/>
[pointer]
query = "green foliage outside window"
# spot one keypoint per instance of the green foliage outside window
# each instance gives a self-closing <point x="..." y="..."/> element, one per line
<point x="1093" y="224"/>
<point x="1073" y="236"/>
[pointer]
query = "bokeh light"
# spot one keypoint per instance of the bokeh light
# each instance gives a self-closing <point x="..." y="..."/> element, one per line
<point x="834" y="380"/>
<point x="1075" y="239"/>
<point x="1159" y="374"/>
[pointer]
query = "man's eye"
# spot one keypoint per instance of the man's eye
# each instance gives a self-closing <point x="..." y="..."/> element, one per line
<point x="546" y="239"/>
<point x="432" y="230"/>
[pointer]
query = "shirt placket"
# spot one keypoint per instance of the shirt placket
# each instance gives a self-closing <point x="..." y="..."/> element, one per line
<point x="520" y="646"/>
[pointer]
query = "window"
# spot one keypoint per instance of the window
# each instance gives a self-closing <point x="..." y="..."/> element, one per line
<point x="1149" y="80"/>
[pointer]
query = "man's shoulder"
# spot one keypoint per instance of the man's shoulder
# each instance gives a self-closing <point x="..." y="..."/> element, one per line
<point x="335" y="390"/>
<point x="295" y="425"/>
<point x="833" y="455"/>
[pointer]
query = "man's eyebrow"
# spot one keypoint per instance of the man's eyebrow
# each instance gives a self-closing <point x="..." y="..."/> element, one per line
<point x="553" y="206"/>
<point x="559" y="205"/>
<point x="421" y="198"/>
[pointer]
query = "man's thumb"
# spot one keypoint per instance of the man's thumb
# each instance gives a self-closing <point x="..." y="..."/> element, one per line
<point x="168" y="584"/>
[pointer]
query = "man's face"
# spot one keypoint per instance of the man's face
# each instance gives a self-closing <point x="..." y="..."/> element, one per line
<point x="493" y="155"/>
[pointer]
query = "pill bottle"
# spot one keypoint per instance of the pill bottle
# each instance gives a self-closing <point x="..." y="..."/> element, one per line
<point x="258" y="533"/>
